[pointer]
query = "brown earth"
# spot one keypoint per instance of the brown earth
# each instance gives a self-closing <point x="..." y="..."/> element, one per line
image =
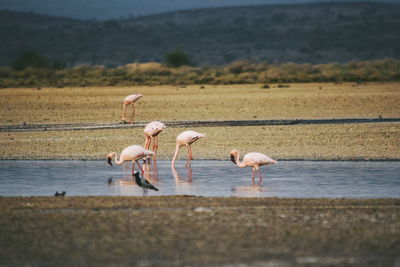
<point x="229" y="102"/>
<point x="198" y="231"/>
<point x="236" y="102"/>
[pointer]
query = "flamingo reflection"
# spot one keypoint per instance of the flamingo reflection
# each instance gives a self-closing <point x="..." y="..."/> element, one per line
<point x="183" y="185"/>
<point x="151" y="171"/>
<point x="178" y="178"/>
<point x="150" y="174"/>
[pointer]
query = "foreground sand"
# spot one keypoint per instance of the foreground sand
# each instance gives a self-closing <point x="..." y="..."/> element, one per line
<point x="187" y="231"/>
<point x="168" y="103"/>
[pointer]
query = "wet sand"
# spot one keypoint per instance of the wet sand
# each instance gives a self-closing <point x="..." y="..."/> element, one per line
<point x="198" y="231"/>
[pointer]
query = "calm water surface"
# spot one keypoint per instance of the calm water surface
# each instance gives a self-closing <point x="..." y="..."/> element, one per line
<point x="300" y="179"/>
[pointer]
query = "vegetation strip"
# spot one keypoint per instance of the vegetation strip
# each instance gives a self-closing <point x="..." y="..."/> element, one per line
<point x="179" y="124"/>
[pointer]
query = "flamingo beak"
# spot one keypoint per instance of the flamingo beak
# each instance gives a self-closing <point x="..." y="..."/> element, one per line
<point x="109" y="160"/>
<point x="233" y="158"/>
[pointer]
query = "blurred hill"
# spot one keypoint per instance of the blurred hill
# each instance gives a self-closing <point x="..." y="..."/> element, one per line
<point x="117" y="9"/>
<point x="313" y="33"/>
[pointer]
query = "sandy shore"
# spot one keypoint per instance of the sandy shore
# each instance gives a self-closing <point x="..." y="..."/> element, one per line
<point x="308" y="101"/>
<point x="187" y="231"/>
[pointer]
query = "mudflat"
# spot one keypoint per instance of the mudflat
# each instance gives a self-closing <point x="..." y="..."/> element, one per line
<point x="234" y="102"/>
<point x="187" y="231"/>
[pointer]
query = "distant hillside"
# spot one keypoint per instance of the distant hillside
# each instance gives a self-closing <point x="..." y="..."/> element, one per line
<point x="106" y="9"/>
<point x="314" y="33"/>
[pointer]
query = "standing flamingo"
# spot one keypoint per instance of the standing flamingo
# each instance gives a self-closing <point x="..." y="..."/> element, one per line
<point x="253" y="159"/>
<point x="129" y="100"/>
<point x="186" y="139"/>
<point x="130" y="153"/>
<point x="151" y="131"/>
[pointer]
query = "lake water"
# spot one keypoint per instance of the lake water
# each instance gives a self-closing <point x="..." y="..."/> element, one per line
<point x="299" y="179"/>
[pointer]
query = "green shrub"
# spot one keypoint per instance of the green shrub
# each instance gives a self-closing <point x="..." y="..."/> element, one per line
<point x="177" y="58"/>
<point x="29" y="59"/>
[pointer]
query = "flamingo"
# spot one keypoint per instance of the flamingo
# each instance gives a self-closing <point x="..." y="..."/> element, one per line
<point x="151" y="131"/>
<point x="186" y="139"/>
<point x="130" y="100"/>
<point x="144" y="184"/>
<point x="253" y="159"/>
<point x="130" y="153"/>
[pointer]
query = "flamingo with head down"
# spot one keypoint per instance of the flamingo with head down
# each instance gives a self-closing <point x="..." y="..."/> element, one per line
<point x="130" y="153"/>
<point x="151" y="131"/>
<point x="129" y="100"/>
<point x="186" y="138"/>
<point x="253" y="159"/>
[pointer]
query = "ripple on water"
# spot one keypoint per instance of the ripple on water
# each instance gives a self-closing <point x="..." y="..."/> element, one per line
<point x="300" y="179"/>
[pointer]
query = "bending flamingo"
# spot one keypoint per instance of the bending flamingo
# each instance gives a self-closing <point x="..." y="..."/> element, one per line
<point x="130" y="153"/>
<point x="129" y="100"/>
<point x="253" y="159"/>
<point x="151" y="131"/>
<point x="186" y="139"/>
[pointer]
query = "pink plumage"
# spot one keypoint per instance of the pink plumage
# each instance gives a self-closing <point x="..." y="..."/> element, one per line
<point x="252" y="159"/>
<point x="132" y="98"/>
<point x="151" y="131"/>
<point x="186" y="139"/>
<point x="131" y="153"/>
<point x="129" y="100"/>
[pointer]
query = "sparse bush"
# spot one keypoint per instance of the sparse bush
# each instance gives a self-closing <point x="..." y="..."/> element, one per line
<point x="29" y="59"/>
<point x="238" y="67"/>
<point x="235" y="73"/>
<point x="177" y="58"/>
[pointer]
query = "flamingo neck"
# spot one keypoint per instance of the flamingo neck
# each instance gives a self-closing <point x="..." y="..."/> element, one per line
<point x="238" y="162"/>
<point x="175" y="155"/>
<point x="116" y="160"/>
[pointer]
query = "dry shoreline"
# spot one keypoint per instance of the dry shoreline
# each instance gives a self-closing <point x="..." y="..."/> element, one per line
<point x="369" y="141"/>
<point x="201" y="231"/>
<point x="298" y="142"/>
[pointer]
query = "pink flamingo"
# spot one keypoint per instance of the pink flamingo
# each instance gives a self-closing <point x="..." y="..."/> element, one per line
<point x="129" y="100"/>
<point x="130" y="153"/>
<point x="253" y="159"/>
<point x="186" y="139"/>
<point x="151" y="131"/>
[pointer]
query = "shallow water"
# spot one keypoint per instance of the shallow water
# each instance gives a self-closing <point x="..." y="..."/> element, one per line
<point x="300" y="179"/>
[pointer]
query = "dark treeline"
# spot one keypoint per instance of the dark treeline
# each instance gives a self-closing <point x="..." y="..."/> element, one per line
<point x="239" y="72"/>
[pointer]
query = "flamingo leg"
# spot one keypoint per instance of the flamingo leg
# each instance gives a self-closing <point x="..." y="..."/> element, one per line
<point x="252" y="175"/>
<point x="123" y="111"/>
<point x="148" y="142"/>
<point x="190" y="156"/>
<point x="260" y="177"/>
<point x="155" y="147"/>
<point x="140" y="167"/>
<point x="190" y="152"/>
<point x="133" y="168"/>
<point x="133" y="113"/>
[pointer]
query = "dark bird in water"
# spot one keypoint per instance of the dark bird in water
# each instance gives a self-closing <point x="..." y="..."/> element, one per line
<point x="60" y="194"/>
<point x="144" y="184"/>
<point x="110" y="181"/>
